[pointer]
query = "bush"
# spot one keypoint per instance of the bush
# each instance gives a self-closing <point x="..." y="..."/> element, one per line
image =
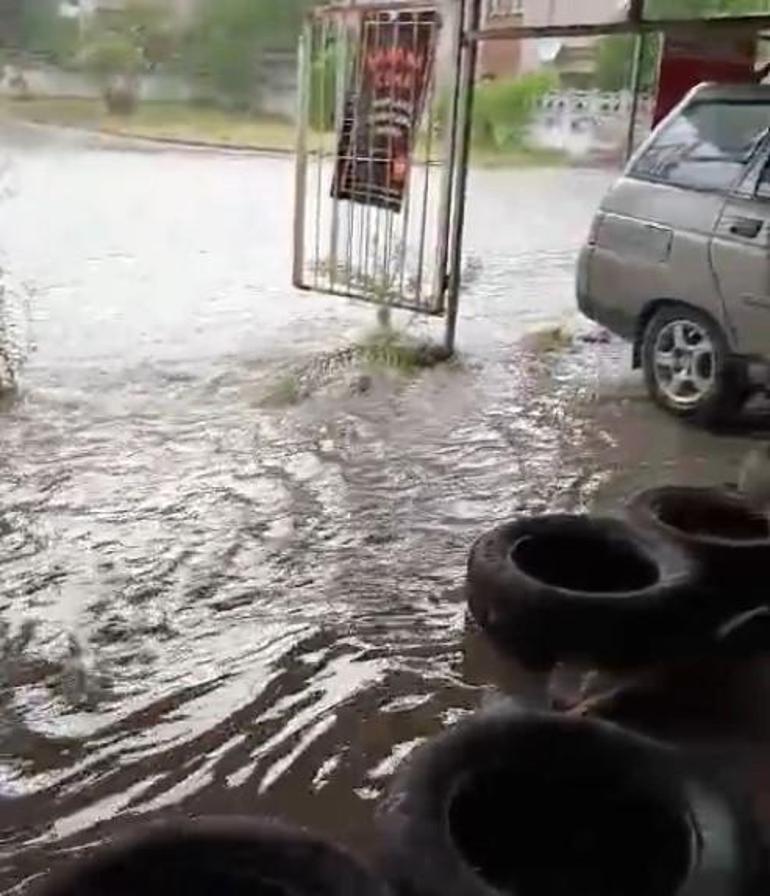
<point x="226" y="40"/>
<point x="505" y="109"/>
<point x="45" y="33"/>
<point x="615" y="64"/>
<point x="114" y="62"/>
<point x="110" y="56"/>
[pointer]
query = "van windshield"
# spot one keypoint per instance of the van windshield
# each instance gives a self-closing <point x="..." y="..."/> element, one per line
<point x="707" y="146"/>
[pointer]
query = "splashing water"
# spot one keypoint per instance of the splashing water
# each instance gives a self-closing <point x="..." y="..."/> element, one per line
<point x="215" y="604"/>
<point x="14" y="306"/>
<point x="14" y="331"/>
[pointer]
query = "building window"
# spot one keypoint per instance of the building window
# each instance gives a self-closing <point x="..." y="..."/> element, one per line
<point x="497" y="9"/>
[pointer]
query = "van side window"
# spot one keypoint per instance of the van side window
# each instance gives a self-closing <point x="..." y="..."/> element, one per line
<point x="707" y="146"/>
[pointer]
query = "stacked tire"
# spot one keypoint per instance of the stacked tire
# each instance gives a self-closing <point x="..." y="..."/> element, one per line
<point x="541" y="804"/>
<point x="533" y="804"/>
<point x="507" y="803"/>
<point x="217" y="857"/>
<point x="682" y="575"/>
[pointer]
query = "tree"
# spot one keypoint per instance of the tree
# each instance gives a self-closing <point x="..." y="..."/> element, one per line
<point x="44" y="32"/>
<point x="149" y="26"/>
<point x="114" y="61"/>
<point x="504" y="109"/>
<point x="615" y="63"/>
<point x="228" y="37"/>
<point x="121" y="45"/>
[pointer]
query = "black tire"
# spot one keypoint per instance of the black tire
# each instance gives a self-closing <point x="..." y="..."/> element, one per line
<point x="209" y="857"/>
<point x="544" y="805"/>
<point x="729" y="390"/>
<point x="559" y="587"/>
<point x="728" y="539"/>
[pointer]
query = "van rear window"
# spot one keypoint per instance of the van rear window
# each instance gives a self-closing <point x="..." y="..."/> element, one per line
<point x="707" y="146"/>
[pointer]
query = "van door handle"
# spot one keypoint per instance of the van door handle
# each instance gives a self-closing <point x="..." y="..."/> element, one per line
<point x="750" y="228"/>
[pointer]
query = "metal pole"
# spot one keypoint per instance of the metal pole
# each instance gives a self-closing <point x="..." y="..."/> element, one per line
<point x="300" y="183"/>
<point x="449" y="156"/>
<point x="636" y="78"/>
<point x="472" y="17"/>
<point x="636" y="11"/>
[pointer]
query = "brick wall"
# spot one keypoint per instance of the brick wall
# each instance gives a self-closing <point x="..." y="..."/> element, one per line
<point x="500" y="58"/>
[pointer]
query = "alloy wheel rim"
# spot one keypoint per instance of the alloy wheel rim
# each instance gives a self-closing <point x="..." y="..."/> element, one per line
<point x="685" y="363"/>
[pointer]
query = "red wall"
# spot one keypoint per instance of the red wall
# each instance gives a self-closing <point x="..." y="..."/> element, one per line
<point x="686" y="64"/>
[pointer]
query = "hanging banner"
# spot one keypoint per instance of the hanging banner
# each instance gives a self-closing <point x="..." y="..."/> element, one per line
<point x="687" y="63"/>
<point x="384" y="106"/>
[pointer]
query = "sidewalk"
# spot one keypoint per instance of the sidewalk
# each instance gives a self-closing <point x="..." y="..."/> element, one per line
<point x="166" y="123"/>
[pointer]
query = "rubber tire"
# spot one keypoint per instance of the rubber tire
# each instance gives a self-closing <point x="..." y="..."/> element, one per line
<point x="232" y="856"/>
<point x="731" y="385"/>
<point x="541" y="623"/>
<point x="539" y="756"/>
<point x="734" y="569"/>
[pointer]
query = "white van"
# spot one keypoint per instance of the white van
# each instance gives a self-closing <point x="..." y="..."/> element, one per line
<point x="678" y="259"/>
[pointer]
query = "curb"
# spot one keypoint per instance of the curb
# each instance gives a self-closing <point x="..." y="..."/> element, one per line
<point x="178" y="142"/>
<point x="159" y="142"/>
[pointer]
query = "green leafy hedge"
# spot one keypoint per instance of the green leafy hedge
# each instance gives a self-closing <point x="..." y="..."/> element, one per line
<point x="504" y="109"/>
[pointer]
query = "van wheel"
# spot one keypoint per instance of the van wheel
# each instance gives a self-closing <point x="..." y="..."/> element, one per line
<point x="688" y="367"/>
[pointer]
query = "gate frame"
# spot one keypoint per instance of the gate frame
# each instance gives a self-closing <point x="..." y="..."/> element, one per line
<point x="457" y="28"/>
<point x="470" y="15"/>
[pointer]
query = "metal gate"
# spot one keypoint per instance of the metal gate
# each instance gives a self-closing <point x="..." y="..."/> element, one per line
<point x="376" y="167"/>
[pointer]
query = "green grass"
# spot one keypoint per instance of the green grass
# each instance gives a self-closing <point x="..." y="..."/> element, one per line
<point x="164" y="121"/>
<point x="197" y="124"/>
<point x="390" y="349"/>
<point x="284" y="392"/>
<point x="384" y="351"/>
<point x="550" y="340"/>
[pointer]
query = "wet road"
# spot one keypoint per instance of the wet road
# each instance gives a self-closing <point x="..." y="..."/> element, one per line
<point x="212" y="604"/>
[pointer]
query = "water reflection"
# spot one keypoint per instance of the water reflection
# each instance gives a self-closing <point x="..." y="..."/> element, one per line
<point x="214" y="604"/>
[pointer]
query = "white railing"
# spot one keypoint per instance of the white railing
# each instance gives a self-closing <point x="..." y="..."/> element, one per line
<point x="594" y="103"/>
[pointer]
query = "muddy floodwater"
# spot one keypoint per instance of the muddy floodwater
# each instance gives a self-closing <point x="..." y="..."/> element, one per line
<point x="214" y="600"/>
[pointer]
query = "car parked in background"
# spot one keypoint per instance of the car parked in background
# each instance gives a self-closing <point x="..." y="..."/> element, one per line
<point x="678" y="258"/>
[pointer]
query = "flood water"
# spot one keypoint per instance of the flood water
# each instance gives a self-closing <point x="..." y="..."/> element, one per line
<point x="210" y="602"/>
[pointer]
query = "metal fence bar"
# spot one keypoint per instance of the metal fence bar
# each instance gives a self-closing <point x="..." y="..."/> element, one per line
<point x="467" y="82"/>
<point x="300" y="182"/>
<point x="636" y="77"/>
<point x="387" y="273"/>
<point x="350" y="208"/>
<point x="365" y="246"/>
<point x="319" y="63"/>
<point x="431" y="106"/>
<point x="341" y="73"/>
<point x="415" y="139"/>
<point x="449" y="154"/>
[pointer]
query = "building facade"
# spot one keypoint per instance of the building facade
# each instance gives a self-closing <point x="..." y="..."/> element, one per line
<point x="573" y="58"/>
<point x="501" y="58"/>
